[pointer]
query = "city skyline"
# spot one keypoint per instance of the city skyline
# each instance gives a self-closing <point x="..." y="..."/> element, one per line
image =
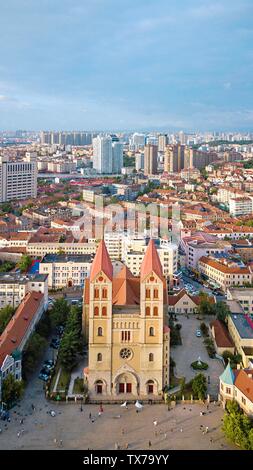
<point x="144" y="66"/>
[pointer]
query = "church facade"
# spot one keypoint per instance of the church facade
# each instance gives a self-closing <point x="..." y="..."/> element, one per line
<point x="125" y="325"/>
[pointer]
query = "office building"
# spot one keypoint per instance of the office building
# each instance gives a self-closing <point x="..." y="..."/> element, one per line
<point x="18" y="180"/>
<point x="102" y="154"/>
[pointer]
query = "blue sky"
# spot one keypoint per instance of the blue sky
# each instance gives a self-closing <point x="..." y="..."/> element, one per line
<point x="126" y="64"/>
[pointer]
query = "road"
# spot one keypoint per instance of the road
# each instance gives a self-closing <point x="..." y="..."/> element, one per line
<point x="199" y="287"/>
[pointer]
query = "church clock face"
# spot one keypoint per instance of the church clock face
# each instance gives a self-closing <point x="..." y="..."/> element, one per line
<point x="125" y="353"/>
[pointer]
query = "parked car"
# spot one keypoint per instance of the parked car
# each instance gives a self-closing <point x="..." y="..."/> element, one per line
<point x="55" y="343"/>
<point x="198" y="333"/>
<point x="44" y="376"/>
<point x="60" y="330"/>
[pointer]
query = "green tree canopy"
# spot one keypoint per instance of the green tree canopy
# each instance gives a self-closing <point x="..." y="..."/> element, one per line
<point x="6" y="314"/>
<point x="25" y="263"/>
<point x="12" y="389"/>
<point x="237" y="426"/>
<point x="222" y="311"/>
<point x="59" y="312"/>
<point x="199" y="386"/>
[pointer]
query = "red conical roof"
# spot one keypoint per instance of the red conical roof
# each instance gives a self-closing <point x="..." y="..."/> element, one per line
<point x="151" y="262"/>
<point x="101" y="262"/>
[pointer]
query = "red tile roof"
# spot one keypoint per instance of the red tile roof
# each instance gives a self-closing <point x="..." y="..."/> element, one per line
<point x="101" y="262"/>
<point x="17" y="327"/>
<point x="221" y="335"/>
<point x="151" y="262"/>
<point x="245" y="383"/>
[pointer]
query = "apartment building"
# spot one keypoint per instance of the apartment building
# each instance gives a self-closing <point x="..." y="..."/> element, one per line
<point x="18" y="180"/>
<point x="65" y="270"/>
<point x="15" y="286"/>
<point x="17" y="333"/>
<point x="239" y="206"/>
<point x="223" y="272"/>
<point x="195" y="249"/>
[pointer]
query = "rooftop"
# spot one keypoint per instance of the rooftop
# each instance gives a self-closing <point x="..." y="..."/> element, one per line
<point x="63" y="258"/>
<point x="241" y="324"/>
<point x="19" y="278"/>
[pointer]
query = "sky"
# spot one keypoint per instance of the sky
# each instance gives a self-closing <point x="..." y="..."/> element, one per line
<point x="126" y="65"/>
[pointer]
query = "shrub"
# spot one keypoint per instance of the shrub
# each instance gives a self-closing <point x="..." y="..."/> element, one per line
<point x="199" y="366"/>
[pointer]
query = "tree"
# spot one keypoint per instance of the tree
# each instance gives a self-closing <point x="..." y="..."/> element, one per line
<point x="206" y="306"/>
<point x="199" y="386"/>
<point x="33" y="352"/>
<point x="59" y="312"/>
<point x="236" y="426"/>
<point x="6" y="314"/>
<point x="43" y="328"/>
<point x="222" y="311"/>
<point x="25" y="263"/>
<point x="204" y="329"/>
<point x="68" y="350"/>
<point x="12" y="389"/>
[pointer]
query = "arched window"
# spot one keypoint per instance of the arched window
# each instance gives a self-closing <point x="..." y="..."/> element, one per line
<point x="104" y="293"/>
<point x="96" y="293"/>
<point x="147" y="311"/>
<point x="100" y="331"/>
<point x="151" y="357"/>
<point x="96" y="311"/>
<point x="155" y="312"/>
<point x="147" y="293"/>
<point x="151" y="331"/>
<point x="99" y="357"/>
<point x="104" y="311"/>
<point x="155" y="293"/>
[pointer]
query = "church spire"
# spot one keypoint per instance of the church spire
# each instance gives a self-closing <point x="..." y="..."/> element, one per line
<point x="151" y="262"/>
<point x="101" y="262"/>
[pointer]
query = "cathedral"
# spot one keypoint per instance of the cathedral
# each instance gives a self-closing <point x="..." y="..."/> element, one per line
<point x="125" y="325"/>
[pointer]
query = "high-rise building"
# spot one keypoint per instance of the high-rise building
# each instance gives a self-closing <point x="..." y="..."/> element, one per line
<point x="139" y="161"/>
<point x="102" y="154"/>
<point x="162" y="142"/>
<point x="197" y="159"/>
<point x="150" y="159"/>
<point x="117" y="157"/>
<point x="125" y="325"/>
<point x="137" y="141"/>
<point x="18" y="180"/>
<point x="174" y="158"/>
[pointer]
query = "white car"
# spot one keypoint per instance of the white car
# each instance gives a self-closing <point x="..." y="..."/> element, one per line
<point x="198" y="333"/>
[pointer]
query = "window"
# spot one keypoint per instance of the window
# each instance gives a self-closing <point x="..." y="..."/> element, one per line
<point x="125" y="353"/>
<point x="147" y="311"/>
<point x="125" y="335"/>
<point x="243" y="401"/>
<point x="151" y="357"/>
<point x="104" y="293"/>
<point x="104" y="311"/>
<point x="96" y="311"/>
<point x="147" y="293"/>
<point x="155" y="312"/>
<point x="100" y="331"/>
<point x="96" y="293"/>
<point x="228" y="390"/>
<point x="155" y="293"/>
<point x="151" y="331"/>
<point x="99" y="357"/>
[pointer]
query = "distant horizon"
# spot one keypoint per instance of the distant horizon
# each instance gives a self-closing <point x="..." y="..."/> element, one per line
<point x="92" y="64"/>
<point x="133" y="130"/>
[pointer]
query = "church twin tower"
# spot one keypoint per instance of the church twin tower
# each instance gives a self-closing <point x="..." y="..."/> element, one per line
<point x="125" y="325"/>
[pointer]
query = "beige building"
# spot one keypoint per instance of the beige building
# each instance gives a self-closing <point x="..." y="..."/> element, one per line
<point x="150" y="159"/>
<point x="14" y="287"/>
<point x="124" y="322"/>
<point x="237" y="385"/>
<point x="41" y="249"/>
<point x="244" y="296"/>
<point x="65" y="270"/>
<point x="224" y="273"/>
<point x="183" y="303"/>
<point x="240" y="328"/>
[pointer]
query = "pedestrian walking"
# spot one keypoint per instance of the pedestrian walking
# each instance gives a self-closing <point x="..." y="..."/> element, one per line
<point x="122" y="431"/>
<point x="207" y="428"/>
<point x="90" y="416"/>
<point x="116" y="446"/>
<point x="61" y="442"/>
<point x="126" y="446"/>
<point x="18" y="434"/>
<point x="155" y="422"/>
<point x="165" y="435"/>
<point x="181" y="430"/>
<point x="149" y="444"/>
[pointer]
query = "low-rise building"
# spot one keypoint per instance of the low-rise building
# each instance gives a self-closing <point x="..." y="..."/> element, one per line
<point x="65" y="270"/>
<point x="15" y="286"/>
<point x="183" y="303"/>
<point x="244" y="296"/>
<point x="17" y="333"/>
<point x="240" y="206"/>
<point x="237" y="385"/>
<point x="224" y="272"/>
<point x="240" y="328"/>
<point x="221" y="337"/>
